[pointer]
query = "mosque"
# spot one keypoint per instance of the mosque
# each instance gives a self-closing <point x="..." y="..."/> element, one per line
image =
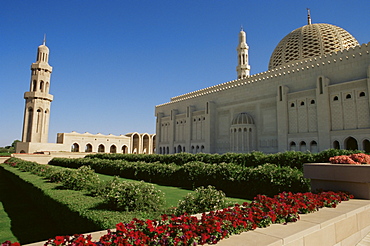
<point x="314" y="96"/>
<point x="36" y="122"/>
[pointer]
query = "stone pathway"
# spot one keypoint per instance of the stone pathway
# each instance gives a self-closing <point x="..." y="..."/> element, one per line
<point x="365" y="241"/>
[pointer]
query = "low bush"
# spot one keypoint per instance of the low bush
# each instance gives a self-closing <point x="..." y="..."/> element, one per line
<point x="202" y="200"/>
<point x="132" y="196"/>
<point x="83" y="178"/>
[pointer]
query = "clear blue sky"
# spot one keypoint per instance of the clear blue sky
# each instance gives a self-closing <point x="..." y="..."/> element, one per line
<point x="114" y="60"/>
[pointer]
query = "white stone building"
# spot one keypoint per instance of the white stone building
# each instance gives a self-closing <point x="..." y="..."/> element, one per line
<point x="314" y="96"/>
<point x="36" y="122"/>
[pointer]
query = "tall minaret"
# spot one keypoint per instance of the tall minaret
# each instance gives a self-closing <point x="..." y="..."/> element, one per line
<point x="38" y="99"/>
<point x="243" y="67"/>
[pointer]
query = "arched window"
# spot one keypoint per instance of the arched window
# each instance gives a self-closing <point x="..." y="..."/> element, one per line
<point x="313" y="146"/>
<point x="335" y="98"/>
<point x="336" y="145"/>
<point x="292" y="146"/>
<point x="75" y="147"/>
<point x="47" y="87"/>
<point x="292" y="105"/>
<point x="351" y="143"/>
<point x="302" y="103"/>
<point x="312" y="101"/>
<point x="321" y="85"/>
<point x="113" y="149"/>
<point x="179" y="149"/>
<point x="348" y="96"/>
<point x="168" y="150"/>
<point x="34" y="85"/>
<point x="366" y="145"/>
<point x="362" y="94"/>
<point x="42" y="86"/>
<point x="302" y="146"/>
<point x="88" y="148"/>
<point x="101" y="148"/>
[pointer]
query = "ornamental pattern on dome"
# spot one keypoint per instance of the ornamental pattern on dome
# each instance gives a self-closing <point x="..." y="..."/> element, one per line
<point x="242" y="119"/>
<point x="309" y="41"/>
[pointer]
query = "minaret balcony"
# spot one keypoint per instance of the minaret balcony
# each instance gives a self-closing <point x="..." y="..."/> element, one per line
<point x="42" y="65"/>
<point x="38" y="94"/>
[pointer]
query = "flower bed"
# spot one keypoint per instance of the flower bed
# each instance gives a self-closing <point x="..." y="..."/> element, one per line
<point x="344" y="172"/>
<point x="212" y="227"/>
<point x="360" y="158"/>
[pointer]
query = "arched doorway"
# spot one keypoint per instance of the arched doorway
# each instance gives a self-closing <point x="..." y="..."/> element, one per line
<point x="154" y="146"/>
<point x="113" y="149"/>
<point x="88" y="148"/>
<point x="101" y="149"/>
<point x="135" y="144"/>
<point x="145" y="144"/>
<point x="124" y="149"/>
<point x="351" y="143"/>
<point x="75" y="147"/>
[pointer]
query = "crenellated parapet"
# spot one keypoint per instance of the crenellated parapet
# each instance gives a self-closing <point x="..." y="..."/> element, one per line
<point x="288" y="68"/>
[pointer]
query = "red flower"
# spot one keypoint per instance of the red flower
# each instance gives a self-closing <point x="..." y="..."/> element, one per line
<point x="59" y="240"/>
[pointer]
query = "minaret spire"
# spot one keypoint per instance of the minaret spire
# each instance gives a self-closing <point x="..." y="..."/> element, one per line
<point x="308" y="16"/>
<point x="44" y="42"/>
<point x="243" y="67"/>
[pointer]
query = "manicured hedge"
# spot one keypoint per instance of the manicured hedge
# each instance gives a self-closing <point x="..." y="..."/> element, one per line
<point x="234" y="180"/>
<point x="77" y="210"/>
<point x="288" y="158"/>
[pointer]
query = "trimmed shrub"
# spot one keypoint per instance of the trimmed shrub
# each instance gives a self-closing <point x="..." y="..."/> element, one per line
<point x="234" y="180"/>
<point x="202" y="200"/>
<point x="252" y="159"/>
<point x="132" y="196"/>
<point x="83" y="178"/>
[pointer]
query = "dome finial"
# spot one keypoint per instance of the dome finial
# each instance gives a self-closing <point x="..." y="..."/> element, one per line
<point x="44" y="41"/>
<point x="308" y="17"/>
<point x="241" y="28"/>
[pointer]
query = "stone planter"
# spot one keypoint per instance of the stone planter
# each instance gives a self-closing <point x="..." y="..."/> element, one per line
<point x="339" y="177"/>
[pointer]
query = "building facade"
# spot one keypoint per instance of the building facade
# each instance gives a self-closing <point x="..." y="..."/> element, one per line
<point x="314" y="96"/>
<point x="36" y="122"/>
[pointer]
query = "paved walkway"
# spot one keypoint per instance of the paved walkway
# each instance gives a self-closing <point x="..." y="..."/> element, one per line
<point x="365" y="241"/>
